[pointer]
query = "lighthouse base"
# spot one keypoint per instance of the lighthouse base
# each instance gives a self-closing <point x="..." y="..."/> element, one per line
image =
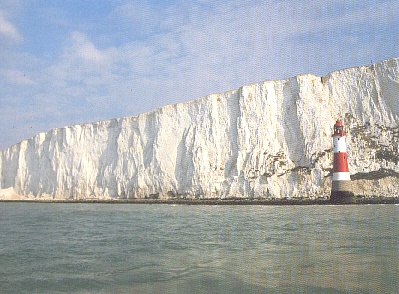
<point x="342" y="197"/>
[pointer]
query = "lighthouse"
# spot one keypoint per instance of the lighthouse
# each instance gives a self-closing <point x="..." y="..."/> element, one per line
<point x="341" y="191"/>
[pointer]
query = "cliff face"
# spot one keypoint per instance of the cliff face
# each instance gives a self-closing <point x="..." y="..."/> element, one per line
<point x="270" y="139"/>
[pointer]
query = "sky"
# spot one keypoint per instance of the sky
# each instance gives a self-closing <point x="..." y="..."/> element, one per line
<point x="66" y="62"/>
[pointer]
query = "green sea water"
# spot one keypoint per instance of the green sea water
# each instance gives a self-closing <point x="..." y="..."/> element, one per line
<point x="127" y="248"/>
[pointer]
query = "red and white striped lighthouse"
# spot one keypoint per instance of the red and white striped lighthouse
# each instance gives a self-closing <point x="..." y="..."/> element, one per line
<point x="341" y="191"/>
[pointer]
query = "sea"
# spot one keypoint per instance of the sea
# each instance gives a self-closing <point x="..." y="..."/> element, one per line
<point x="159" y="248"/>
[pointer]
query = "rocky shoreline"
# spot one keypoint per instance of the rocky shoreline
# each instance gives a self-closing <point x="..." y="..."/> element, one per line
<point x="359" y="200"/>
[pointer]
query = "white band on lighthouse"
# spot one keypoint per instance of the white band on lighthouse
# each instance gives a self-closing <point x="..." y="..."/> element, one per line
<point x="341" y="176"/>
<point x="339" y="144"/>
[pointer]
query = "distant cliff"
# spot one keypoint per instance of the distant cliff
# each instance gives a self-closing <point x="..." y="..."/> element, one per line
<point x="269" y="140"/>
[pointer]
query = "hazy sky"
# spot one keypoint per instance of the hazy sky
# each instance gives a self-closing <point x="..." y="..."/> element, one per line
<point x="70" y="62"/>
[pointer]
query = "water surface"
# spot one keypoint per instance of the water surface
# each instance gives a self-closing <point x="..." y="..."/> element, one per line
<point x="104" y="248"/>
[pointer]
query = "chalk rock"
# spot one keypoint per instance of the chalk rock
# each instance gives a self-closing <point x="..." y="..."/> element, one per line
<point x="266" y="140"/>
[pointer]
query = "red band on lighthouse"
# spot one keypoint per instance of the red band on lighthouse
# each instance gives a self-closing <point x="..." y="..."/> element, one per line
<point x="340" y="163"/>
<point x="341" y="185"/>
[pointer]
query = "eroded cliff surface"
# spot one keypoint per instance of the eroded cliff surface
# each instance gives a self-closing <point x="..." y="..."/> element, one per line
<point x="270" y="140"/>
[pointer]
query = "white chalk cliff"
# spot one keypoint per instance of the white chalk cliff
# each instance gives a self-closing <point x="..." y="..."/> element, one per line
<point x="270" y="140"/>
